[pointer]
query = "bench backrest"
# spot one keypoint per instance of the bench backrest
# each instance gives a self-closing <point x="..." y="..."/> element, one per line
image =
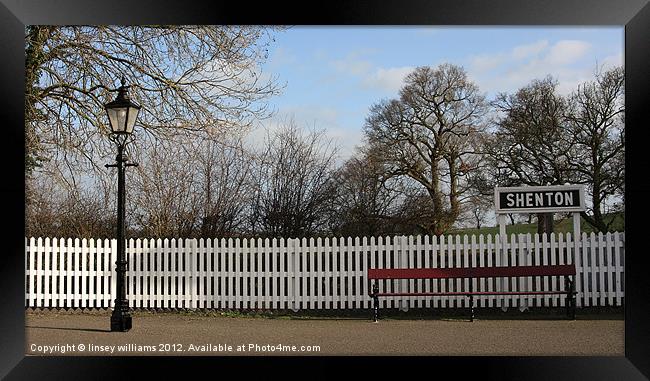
<point x="476" y="272"/>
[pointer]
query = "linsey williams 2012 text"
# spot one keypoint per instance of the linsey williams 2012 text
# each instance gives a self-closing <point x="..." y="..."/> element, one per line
<point x="539" y="199"/>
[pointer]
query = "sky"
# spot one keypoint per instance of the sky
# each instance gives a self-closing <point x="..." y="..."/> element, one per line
<point x="333" y="75"/>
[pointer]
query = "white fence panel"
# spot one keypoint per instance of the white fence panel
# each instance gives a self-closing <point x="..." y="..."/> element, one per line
<point x="314" y="273"/>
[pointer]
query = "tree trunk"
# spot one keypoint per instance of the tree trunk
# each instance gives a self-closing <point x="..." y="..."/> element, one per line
<point x="544" y="223"/>
<point x="436" y="198"/>
<point x="540" y="223"/>
<point x="597" y="221"/>
<point x="549" y="223"/>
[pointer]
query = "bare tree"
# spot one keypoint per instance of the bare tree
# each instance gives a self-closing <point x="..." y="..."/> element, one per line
<point x="195" y="79"/>
<point x="531" y="144"/>
<point x="224" y="173"/>
<point x="596" y="121"/>
<point x="196" y="189"/>
<point x="415" y="211"/>
<point x="293" y="183"/>
<point x="477" y="209"/>
<point x="66" y="209"/>
<point x="163" y="192"/>
<point x="428" y="134"/>
<point x="365" y="202"/>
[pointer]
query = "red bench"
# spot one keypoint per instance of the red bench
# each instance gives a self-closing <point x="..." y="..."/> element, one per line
<point x="567" y="271"/>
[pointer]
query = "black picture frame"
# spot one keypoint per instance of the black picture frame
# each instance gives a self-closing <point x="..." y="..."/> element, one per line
<point x="633" y="14"/>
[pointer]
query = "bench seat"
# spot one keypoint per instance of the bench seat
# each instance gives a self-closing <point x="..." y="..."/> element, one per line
<point x="567" y="271"/>
<point x="470" y="293"/>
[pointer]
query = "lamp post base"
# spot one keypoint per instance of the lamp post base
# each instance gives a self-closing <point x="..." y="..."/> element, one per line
<point x="120" y="321"/>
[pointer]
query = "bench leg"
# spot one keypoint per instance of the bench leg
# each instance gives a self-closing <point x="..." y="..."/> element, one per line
<point x="570" y="298"/>
<point x="375" y="299"/>
<point x="375" y="316"/>
<point x="573" y="300"/>
<point x="471" y="308"/>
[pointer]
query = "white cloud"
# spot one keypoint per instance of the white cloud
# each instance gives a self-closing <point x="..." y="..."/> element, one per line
<point x="487" y="62"/>
<point x="511" y="70"/>
<point x="524" y="51"/>
<point x="388" y="79"/>
<point x="370" y="76"/>
<point x="353" y="64"/>
<point x="518" y="76"/>
<point x="571" y="78"/>
<point x="566" y="52"/>
<point x="353" y="67"/>
<point x="612" y="61"/>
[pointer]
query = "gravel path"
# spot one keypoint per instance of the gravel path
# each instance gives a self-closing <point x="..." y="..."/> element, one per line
<point x="184" y="334"/>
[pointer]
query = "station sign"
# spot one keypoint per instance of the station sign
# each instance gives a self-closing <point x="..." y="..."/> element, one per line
<point x="539" y="199"/>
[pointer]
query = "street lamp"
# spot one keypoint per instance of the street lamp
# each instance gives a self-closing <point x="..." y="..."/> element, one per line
<point x="122" y="113"/>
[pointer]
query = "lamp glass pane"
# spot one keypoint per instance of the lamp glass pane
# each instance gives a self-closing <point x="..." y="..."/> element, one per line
<point x="117" y="117"/>
<point x="133" y="114"/>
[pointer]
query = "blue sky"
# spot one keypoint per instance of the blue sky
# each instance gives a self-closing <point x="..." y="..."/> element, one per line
<point x="334" y="74"/>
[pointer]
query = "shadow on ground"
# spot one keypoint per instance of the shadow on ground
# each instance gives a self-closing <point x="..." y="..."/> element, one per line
<point x="457" y="314"/>
<point x="70" y="329"/>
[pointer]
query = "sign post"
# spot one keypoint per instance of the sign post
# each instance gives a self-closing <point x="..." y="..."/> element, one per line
<point x="502" y="254"/>
<point x="538" y="199"/>
<point x="403" y="263"/>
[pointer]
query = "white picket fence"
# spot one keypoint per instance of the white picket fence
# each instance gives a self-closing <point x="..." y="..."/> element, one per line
<point x="313" y="273"/>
